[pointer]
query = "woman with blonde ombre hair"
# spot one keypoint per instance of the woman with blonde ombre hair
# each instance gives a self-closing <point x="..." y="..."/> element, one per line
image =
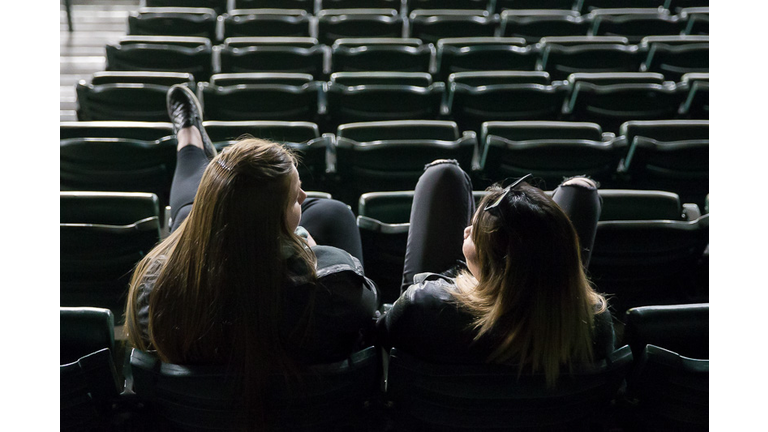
<point x="239" y="282"/>
<point x="521" y="297"/>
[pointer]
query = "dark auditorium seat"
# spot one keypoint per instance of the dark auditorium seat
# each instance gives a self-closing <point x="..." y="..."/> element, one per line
<point x="173" y="21"/>
<point x="430" y="25"/>
<point x="335" y="24"/>
<point x="564" y="55"/>
<point x="84" y="330"/>
<point x="682" y="328"/>
<point x="501" y="5"/>
<point x="447" y="4"/>
<point x="381" y="54"/>
<point x="193" y="55"/>
<point x="261" y="96"/>
<point x="307" y="5"/>
<point x="200" y="397"/>
<point x="696" y="20"/>
<point x="273" y="54"/>
<point x="220" y="6"/>
<point x="88" y="387"/>
<point x="266" y="22"/>
<point x="586" y="6"/>
<point x="483" y="53"/>
<point x="359" y="4"/>
<point x="459" y="397"/>
<point x="534" y="24"/>
<point x="675" y="56"/>
<point x="696" y="105"/>
<point x="634" y="23"/>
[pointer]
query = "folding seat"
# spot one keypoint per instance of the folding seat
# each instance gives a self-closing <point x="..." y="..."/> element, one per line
<point x="171" y="21"/>
<point x="381" y="54"/>
<point x="378" y="96"/>
<point x="334" y="396"/>
<point x="585" y="6"/>
<point x="650" y="255"/>
<point x="696" y="105"/>
<point x="359" y="4"/>
<point x="669" y="155"/>
<point x="675" y="56"/>
<point x="477" y="97"/>
<point x="696" y="20"/>
<point x="430" y="25"/>
<point x="454" y="397"/>
<point x="668" y="392"/>
<point x="535" y="24"/>
<point x="682" y="328"/>
<point x="335" y="24"/>
<point x="677" y="6"/>
<point x="502" y="5"/>
<point x="303" y="138"/>
<point x="266" y="22"/>
<point x="261" y="96"/>
<point x="634" y="24"/>
<point x="483" y="53"/>
<point x="551" y="151"/>
<point x="611" y="99"/>
<point x="220" y="6"/>
<point x="306" y="5"/>
<point x="447" y="4"/>
<point x="130" y="96"/>
<point x="88" y="377"/>
<point x="192" y="55"/>
<point x="273" y="54"/>
<point x="564" y="55"/>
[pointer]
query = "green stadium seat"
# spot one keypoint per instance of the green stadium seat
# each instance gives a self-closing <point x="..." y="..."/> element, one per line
<point x="534" y="24"/>
<point x="335" y="24"/>
<point x="169" y="21"/>
<point x="220" y="6"/>
<point x="266" y="22"/>
<point x="483" y="53"/>
<point x="192" y="55"/>
<point x="273" y="54"/>
<point x="430" y="25"/>
<point x="675" y="56"/>
<point x="562" y="56"/>
<point x="682" y="328"/>
<point x="306" y="5"/>
<point x="634" y="23"/>
<point x="502" y="5"/>
<point x="381" y="54"/>
<point x="696" y="20"/>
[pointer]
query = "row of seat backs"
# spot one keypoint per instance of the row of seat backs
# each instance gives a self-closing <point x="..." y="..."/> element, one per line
<point x="672" y="56"/>
<point x="470" y="98"/>
<point x="429" y="25"/>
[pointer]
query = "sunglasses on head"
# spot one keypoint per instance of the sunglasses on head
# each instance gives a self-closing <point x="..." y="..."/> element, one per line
<point x="494" y="206"/>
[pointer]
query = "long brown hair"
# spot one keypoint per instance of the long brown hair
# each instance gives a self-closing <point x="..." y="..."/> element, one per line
<point x="531" y="293"/>
<point x="219" y="292"/>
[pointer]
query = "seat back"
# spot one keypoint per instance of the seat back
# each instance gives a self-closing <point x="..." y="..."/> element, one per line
<point x="671" y="391"/>
<point x="307" y="5"/>
<point x="451" y="397"/>
<point x="430" y="25"/>
<point x="682" y="328"/>
<point x="220" y="6"/>
<point x="84" y="330"/>
<point x="536" y="23"/>
<point x="108" y="208"/>
<point x="381" y="54"/>
<point x="335" y="24"/>
<point x="447" y="4"/>
<point x="675" y="56"/>
<point x="88" y="388"/>
<point x="148" y="131"/>
<point x="696" y="20"/>
<point x="502" y="5"/>
<point x="170" y="21"/>
<point x="273" y="54"/>
<point x="266" y="22"/>
<point x="483" y="53"/>
<point x="204" y="398"/>
<point x="193" y="55"/>
<point x="592" y="56"/>
<point x="634" y="24"/>
<point x="627" y="205"/>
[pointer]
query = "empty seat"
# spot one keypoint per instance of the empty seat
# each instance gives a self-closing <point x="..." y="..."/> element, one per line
<point x="477" y="97"/>
<point x="678" y="6"/>
<point x="128" y="96"/>
<point x="682" y="328"/>
<point x="696" y="20"/>
<point x="273" y="54"/>
<point x="551" y="151"/>
<point x="182" y="21"/>
<point x="359" y="4"/>
<point x="483" y="53"/>
<point x="266" y="22"/>
<point x="588" y="5"/>
<point x="668" y="392"/>
<point x="88" y="387"/>
<point x="675" y="56"/>
<point x="501" y="5"/>
<point x="335" y="24"/>
<point x="669" y="155"/>
<point x="306" y="5"/>
<point x="193" y="55"/>
<point x="611" y="99"/>
<point x="378" y="96"/>
<point x="200" y="397"/>
<point x="115" y="129"/>
<point x="84" y="330"/>
<point x="381" y="54"/>
<point x="429" y="25"/>
<point x="696" y="105"/>
<point x="453" y="397"/>
<point x="562" y="56"/>
<point x="261" y="96"/>
<point x="303" y="138"/>
<point x="220" y="6"/>
<point x="634" y="24"/>
<point x="107" y="208"/>
<point x="534" y="24"/>
<point x="447" y="4"/>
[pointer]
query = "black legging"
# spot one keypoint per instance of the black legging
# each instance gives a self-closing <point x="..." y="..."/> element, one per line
<point x="329" y="222"/>
<point x="443" y="206"/>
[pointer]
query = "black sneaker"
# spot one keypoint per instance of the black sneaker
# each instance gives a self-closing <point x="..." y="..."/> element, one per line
<point x="184" y="110"/>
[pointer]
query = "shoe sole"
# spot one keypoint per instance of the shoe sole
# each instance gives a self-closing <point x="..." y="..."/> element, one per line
<point x="196" y="101"/>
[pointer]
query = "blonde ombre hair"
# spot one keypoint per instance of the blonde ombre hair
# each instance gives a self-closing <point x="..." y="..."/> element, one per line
<point x="531" y="293"/>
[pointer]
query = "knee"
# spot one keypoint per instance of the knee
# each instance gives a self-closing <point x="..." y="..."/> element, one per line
<point x="445" y="170"/>
<point x="335" y="207"/>
<point x="581" y="181"/>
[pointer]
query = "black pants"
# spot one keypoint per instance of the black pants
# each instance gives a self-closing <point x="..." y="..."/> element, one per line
<point x="330" y="222"/>
<point x="443" y="206"/>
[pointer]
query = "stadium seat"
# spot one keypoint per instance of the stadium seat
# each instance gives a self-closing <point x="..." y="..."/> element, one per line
<point x="586" y="6"/>
<point x="551" y="151"/>
<point x="273" y="54"/>
<point x="84" y="330"/>
<point x="501" y="5"/>
<point x="303" y="138"/>
<point x="220" y="6"/>
<point x="454" y="397"/>
<point x="447" y="4"/>
<point x="696" y="20"/>
<point x="682" y="328"/>
<point x="335" y="24"/>
<point x="106" y="208"/>
<point x="675" y="56"/>
<point x="127" y="96"/>
<point x="306" y="5"/>
<point x="266" y="22"/>
<point x="477" y="97"/>
<point x="564" y="55"/>
<point x="378" y="96"/>
<point x="381" y="54"/>
<point x="200" y="397"/>
<point x="116" y="129"/>
<point x="193" y="55"/>
<point x="430" y="25"/>
<point x="634" y="24"/>
<point x="181" y="21"/>
<point x="696" y="105"/>
<point x="359" y="4"/>
<point x="677" y="6"/>
<point x="534" y="24"/>
<point x="261" y="96"/>
<point x="668" y="392"/>
<point x="483" y="53"/>
<point x="88" y="387"/>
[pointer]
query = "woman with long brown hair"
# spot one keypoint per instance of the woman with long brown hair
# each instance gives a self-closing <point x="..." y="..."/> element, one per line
<point x="238" y="282"/>
<point x="522" y="298"/>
